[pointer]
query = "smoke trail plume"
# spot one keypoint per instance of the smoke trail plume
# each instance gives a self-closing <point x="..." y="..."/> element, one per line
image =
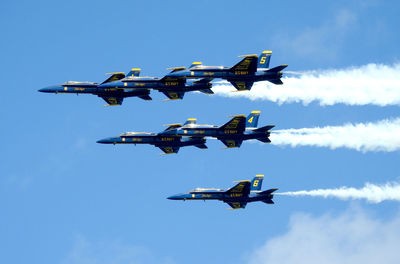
<point x="370" y="192"/>
<point x="380" y="136"/>
<point x="369" y="84"/>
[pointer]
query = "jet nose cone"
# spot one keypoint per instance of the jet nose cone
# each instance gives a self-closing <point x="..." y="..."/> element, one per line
<point x="109" y="140"/>
<point x="51" y="89"/>
<point x="173" y="197"/>
<point x="177" y="197"/>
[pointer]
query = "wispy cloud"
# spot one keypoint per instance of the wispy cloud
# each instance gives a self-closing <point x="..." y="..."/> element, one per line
<point x="374" y="84"/>
<point x="321" y="40"/>
<point x="371" y="192"/>
<point x="86" y="252"/>
<point x="379" y="136"/>
<point x="347" y="238"/>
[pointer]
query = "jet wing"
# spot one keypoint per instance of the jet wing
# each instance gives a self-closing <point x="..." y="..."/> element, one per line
<point x="248" y="64"/>
<point x="113" y="100"/>
<point x="237" y="123"/>
<point x="232" y="143"/>
<point x="242" y="85"/>
<point x="243" y="187"/>
<point x="169" y="149"/>
<point x="172" y="126"/>
<point x="237" y="205"/>
<point x="114" y="77"/>
<point x="174" y="95"/>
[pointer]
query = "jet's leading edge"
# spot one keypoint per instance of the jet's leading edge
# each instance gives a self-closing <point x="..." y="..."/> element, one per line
<point x="237" y="197"/>
<point x="232" y="134"/>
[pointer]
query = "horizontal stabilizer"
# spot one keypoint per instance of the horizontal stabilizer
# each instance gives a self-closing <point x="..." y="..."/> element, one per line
<point x="145" y="97"/>
<point x="264" y="139"/>
<point x="277" y="68"/>
<point x="268" y="201"/>
<point x="264" y="128"/>
<point x="207" y="91"/>
<point x="201" y="146"/>
<point x="276" y="81"/>
<point x="270" y="191"/>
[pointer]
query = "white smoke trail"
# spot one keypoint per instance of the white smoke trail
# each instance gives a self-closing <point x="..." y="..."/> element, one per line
<point x="370" y="192"/>
<point x="380" y="136"/>
<point x="369" y="84"/>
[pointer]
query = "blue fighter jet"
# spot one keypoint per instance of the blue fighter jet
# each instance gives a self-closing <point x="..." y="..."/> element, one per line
<point x="237" y="197"/>
<point x="169" y="144"/>
<point x="109" y="90"/>
<point x="173" y="88"/>
<point x="242" y="76"/>
<point x="232" y="134"/>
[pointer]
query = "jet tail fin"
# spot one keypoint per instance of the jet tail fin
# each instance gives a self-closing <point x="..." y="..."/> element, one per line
<point x="252" y="119"/>
<point x="195" y="63"/>
<point x="256" y="183"/>
<point x="264" y="59"/>
<point x="135" y="72"/>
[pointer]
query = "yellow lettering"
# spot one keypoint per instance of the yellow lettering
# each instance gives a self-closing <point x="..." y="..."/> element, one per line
<point x="262" y="61"/>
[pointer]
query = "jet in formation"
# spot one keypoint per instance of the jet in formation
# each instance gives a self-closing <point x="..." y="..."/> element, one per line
<point x="250" y="69"/>
<point x="169" y="144"/>
<point x="237" y="197"/>
<point x="113" y="90"/>
<point x="119" y="86"/>
<point x="232" y="133"/>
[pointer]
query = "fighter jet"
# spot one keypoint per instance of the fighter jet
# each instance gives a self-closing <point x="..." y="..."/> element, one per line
<point x="173" y="88"/>
<point x="237" y="197"/>
<point x="232" y="134"/>
<point x="242" y="75"/>
<point x="111" y="90"/>
<point x="169" y="144"/>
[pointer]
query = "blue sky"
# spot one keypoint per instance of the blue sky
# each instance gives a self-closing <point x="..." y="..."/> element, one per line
<point x="66" y="199"/>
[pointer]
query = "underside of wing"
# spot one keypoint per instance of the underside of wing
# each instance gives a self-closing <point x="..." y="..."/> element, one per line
<point x="169" y="149"/>
<point x="174" y="95"/>
<point x="232" y="143"/>
<point x="242" y="85"/>
<point x="113" y="100"/>
<point x="237" y="205"/>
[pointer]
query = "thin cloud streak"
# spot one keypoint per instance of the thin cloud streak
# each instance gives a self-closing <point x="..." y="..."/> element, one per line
<point x="371" y="192"/>
<point x="374" y="84"/>
<point x="380" y="136"/>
